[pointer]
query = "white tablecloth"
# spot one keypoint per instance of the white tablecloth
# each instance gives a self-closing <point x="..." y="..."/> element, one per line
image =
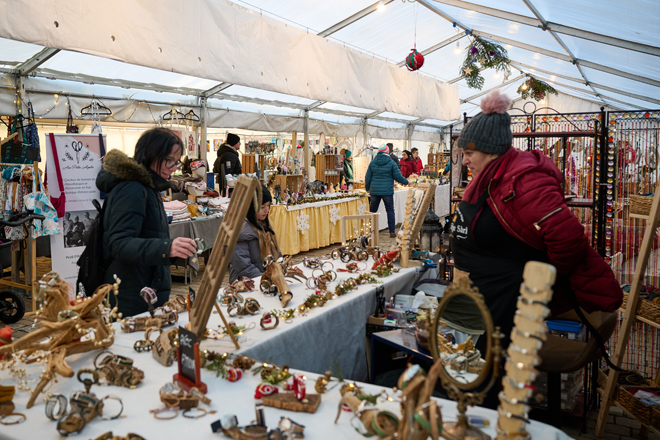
<point x="400" y="197"/>
<point x="441" y="206"/>
<point x="227" y="398"/>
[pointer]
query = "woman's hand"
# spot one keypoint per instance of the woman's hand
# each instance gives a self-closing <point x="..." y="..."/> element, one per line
<point x="183" y="247"/>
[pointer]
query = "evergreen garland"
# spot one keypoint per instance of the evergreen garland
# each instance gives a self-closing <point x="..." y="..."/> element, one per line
<point x="483" y="54"/>
<point x="535" y="89"/>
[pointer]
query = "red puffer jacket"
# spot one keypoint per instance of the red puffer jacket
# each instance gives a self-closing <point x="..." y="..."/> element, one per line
<point x="408" y="167"/>
<point x="525" y="194"/>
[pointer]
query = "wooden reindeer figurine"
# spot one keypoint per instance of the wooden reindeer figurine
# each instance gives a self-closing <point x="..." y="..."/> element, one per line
<point x="273" y="281"/>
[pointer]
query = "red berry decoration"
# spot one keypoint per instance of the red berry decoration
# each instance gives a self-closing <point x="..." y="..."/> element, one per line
<point x="414" y="61"/>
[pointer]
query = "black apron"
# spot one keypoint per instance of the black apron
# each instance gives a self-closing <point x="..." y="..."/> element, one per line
<point x="495" y="268"/>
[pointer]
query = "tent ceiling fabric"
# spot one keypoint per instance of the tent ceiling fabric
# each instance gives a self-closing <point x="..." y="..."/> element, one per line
<point x="257" y="51"/>
<point x="265" y="57"/>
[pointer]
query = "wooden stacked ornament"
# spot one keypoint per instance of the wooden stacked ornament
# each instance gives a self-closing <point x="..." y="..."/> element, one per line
<point x="527" y="337"/>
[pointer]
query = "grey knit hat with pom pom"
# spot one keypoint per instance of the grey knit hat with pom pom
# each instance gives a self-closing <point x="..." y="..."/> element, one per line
<point x="489" y="131"/>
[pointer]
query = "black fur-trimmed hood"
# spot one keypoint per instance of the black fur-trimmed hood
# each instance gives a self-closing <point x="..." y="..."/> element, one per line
<point x="118" y="167"/>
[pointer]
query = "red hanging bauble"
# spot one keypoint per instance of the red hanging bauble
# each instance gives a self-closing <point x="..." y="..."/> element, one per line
<point x="415" y="60"/>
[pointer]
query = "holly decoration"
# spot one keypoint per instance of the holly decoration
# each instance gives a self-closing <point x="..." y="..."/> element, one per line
<point x="483" y="54"/>
<point x="415" y="60"/>
<point x="535" y="89"/>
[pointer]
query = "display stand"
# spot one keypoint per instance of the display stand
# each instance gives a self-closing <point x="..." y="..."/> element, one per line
<point x="220" y="256"/>
<point x="326" y="169"/>
<point x="188" y="376"/>
<point x="412" y="224"/>
<point x="371" y="217"/>
<point x="612" y="392"/>
<point x="30" y="255"/>
<point x="290" y="181"/>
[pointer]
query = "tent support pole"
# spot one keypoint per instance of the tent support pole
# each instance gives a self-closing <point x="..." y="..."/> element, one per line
<point x="306" y="160"/>
<point x="203" y="133"/>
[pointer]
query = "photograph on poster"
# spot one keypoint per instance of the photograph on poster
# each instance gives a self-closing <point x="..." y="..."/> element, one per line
<point x="77" y="226"/>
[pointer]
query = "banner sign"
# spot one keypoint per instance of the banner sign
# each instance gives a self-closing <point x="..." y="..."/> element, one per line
<point x="79" y="162"/>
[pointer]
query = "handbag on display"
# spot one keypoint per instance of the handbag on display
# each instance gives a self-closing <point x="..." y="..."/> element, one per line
<point x="59" y="203"/>
<point x="19" y="150"/>
<point x="15" y="233"/>
<point x="70" y="126"/>
<point x="31" y="135"/>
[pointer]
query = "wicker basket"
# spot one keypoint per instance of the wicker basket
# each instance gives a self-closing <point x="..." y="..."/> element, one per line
<point x="655" y="417"/>
<point x="641" y="205"/>
<point x="635" y="406"/>
<point x="645" y="308"/>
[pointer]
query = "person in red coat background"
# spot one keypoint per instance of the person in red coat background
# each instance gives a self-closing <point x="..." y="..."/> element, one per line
<point x="417" y="160"/>
<point x="514" y="211"/>
<point x="407" y="165"/>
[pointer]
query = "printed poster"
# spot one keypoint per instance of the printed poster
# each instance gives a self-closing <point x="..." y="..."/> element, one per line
<point x="80" y="161"/>
<point x="216" y="144"/>
<point x="190" y="144"/>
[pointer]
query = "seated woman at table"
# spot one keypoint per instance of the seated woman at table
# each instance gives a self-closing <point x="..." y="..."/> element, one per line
<point x="136" y="237"/>
<point x="256" y="241"/>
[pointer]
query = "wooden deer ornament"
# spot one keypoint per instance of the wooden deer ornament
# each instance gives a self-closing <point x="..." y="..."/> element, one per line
<point x="65" y="330"/>
<point x="273" y="281"/>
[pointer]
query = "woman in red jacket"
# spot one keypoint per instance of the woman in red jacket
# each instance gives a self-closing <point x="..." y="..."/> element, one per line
<point x="514" y="211"/>
<point x="407" y="165"/>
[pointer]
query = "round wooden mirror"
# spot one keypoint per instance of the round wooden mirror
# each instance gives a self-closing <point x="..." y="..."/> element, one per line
<point x="461" y="325"/>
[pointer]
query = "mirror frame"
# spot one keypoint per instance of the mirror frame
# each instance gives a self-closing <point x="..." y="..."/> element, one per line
<point x="463" y="286"/>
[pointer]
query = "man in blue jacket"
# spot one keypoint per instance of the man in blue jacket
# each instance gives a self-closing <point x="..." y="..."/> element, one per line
<point x="379" y="182"/>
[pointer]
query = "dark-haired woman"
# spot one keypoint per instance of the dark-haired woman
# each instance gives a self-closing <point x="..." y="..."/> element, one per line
<point x="408" y="166"/>
<point x="136" y="238"/>
<point x="256" y="241"/>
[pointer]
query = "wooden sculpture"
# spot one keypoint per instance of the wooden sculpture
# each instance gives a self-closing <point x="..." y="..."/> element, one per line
<point x="413" y="221"/>
<point x="403" y="238"/>
<point x="245" y="189"/>
<point x="420" y="414"/>
<point x="65" y="329"/>
<point x="386" y="422"/>
<point x="273" y="280"/>
<point x="529" y="331"/>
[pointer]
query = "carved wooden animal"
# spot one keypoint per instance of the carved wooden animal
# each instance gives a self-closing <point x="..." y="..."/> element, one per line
<point x="61" y="338"/>
<point x="274" y="276"/>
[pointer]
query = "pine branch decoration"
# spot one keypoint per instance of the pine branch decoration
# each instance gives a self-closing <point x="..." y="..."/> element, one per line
<point x="483" y="54"/>
<point x="536" y="89"/>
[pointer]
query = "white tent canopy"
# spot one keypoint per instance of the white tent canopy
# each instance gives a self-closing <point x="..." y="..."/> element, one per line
<point x="269" y="64"/>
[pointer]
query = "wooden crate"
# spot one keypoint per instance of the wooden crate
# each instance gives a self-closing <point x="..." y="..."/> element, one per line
<point x="325" y="168"/>
<point x="248" y="164"/>
<point x="290" y="181"/>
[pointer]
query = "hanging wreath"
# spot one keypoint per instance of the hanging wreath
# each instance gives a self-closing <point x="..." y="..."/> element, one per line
<point x="483" y="54"/>
<point x="535" y="89"/>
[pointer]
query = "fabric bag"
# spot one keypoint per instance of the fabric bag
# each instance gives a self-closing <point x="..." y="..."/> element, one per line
<point x="39" y="202"/>
<point x="19" y="150"/>
<point x="15" y="233"/>
<point x="33" y="150"/>
<point x="59" y="203"/>
<point x="92" y="266"/>
<point x="71" y="127"/>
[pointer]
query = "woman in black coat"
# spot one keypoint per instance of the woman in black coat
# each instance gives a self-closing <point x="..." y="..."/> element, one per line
<point x="136" y="236"/>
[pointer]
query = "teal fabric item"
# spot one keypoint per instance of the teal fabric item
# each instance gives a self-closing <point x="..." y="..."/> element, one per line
<point x="381" y="174"/>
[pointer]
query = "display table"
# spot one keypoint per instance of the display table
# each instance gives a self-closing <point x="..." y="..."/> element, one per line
<point x="300" y="228"/>
<point x="334" y="333"/>
<point x="227" y="398"/>
<point x="204" y="228"/>
<point x="400" y="198"/>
